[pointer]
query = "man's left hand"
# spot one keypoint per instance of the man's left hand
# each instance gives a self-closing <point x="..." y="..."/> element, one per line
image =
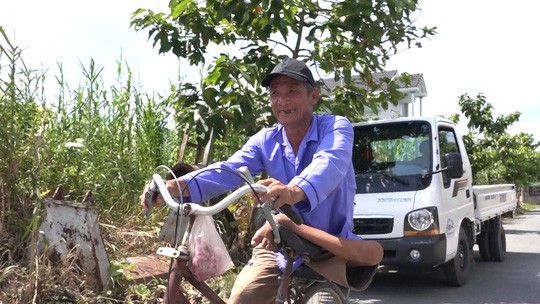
<point x="283" y="194"/>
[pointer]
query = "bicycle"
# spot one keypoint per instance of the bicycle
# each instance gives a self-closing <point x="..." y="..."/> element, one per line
<point x="304" y="286"/>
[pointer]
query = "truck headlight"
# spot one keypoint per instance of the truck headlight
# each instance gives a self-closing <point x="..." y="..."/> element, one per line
<point x="420" y="219"/>
<point x="422" y="222"/>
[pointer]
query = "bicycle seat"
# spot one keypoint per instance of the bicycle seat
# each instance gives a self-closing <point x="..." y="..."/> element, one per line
<point x="302" y="247"/>
<point x="358" y="277"/>
<point x="305" y="272"/>
<point x="299" y="245"/>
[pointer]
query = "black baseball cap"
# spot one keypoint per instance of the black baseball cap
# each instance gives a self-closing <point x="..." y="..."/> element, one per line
<point x="293" y="68"/>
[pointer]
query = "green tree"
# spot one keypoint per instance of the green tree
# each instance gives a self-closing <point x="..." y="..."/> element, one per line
<point x="495" y="155"/>
<point x="338" y="39"/>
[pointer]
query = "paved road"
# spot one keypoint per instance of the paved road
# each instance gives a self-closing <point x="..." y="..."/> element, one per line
<point x="516" y="280"/>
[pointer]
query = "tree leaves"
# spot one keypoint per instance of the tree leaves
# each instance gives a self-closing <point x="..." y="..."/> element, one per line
<point x="338" y="38"/>
<point x="495" y="155"/>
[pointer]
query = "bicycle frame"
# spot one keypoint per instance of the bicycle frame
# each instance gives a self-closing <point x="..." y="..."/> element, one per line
<point x="180" y="255"/>
<point x="188" y="211"/>
<point x="179" y="271"/>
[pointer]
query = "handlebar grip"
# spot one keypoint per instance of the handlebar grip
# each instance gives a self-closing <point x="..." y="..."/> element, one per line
<point x="289" y="212"/>
<point x="149" y="196"/>
<point x="148" y="205"/>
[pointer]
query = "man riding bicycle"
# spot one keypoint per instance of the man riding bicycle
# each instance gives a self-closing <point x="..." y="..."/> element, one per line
<point x="309" y="159"/>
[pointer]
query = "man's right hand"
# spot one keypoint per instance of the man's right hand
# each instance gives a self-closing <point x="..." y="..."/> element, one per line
<point x="148" y="197"/>
<point x="157" y="200"/>
<point x="264" y="237"/>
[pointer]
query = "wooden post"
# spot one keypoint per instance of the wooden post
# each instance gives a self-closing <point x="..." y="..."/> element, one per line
<point x="72" y="227"/>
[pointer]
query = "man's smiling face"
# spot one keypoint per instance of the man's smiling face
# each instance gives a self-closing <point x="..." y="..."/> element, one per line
<point x="291" y="100"/>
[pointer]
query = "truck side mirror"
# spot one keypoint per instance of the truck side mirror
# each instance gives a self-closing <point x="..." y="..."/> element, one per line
<point x="454" y="165"/>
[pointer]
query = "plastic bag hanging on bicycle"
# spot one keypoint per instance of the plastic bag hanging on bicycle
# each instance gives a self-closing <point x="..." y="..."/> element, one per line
<point x="208" y="255"/>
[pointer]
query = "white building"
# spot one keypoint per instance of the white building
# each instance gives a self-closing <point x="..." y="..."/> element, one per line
<point x="410" y="105"/>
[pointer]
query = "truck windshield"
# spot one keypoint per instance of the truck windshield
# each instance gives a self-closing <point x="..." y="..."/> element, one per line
<point x="390" y="157"/>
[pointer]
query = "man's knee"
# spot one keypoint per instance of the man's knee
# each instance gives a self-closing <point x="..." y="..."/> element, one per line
<point x="257" y="282"/>
<point x="254" y="285"/>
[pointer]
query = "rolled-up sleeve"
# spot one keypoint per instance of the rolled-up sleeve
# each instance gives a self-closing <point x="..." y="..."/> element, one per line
<point x="221" y="177"/>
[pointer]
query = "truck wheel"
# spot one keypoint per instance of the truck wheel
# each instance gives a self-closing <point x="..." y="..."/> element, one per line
<point x="483" y="246"/>
<point x="458" y="269"/>
<point x="497" y="241"/>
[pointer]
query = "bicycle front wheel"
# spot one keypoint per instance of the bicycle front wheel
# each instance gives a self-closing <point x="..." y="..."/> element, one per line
<point x="324" y="293"/>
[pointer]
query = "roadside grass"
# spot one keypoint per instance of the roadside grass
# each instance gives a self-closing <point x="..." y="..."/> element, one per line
<point x="47" y="280"/>
<point x="525" y="207"/>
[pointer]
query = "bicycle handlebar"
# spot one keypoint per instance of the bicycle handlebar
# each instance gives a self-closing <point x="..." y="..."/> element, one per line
<point x="206" y="210"/>
<point x="157" y="185"/>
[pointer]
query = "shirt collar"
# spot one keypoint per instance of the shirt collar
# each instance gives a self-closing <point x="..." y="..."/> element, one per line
<point x="312" y="134"/>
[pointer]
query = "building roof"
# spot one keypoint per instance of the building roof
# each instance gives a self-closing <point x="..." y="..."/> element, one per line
<point x="416" y="82"/>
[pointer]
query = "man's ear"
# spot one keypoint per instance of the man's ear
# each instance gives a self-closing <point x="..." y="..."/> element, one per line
<point x="314" y="96"/>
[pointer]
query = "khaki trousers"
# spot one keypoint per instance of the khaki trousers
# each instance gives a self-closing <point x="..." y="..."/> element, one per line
<point x="258" y="281"/>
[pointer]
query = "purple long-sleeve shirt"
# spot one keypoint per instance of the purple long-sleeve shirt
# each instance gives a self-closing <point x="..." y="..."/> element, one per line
<point x="322" y="169"/>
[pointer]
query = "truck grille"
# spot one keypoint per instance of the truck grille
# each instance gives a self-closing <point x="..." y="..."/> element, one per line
<point x="373" y="225"/>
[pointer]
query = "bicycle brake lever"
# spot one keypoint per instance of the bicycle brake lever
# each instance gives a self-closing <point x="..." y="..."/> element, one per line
<point x="266" y="210"/>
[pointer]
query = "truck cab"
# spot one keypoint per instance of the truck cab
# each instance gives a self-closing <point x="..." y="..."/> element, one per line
<point x="415" y="193"/>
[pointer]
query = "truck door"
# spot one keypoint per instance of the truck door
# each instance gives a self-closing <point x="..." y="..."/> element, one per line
<point x="456" y="196"/>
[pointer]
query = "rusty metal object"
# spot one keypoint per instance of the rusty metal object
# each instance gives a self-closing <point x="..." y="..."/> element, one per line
<point x="72" y="228"/>
<point x="147" y="268"/>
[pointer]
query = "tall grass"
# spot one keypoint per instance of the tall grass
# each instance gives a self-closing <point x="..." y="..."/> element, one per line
<point x="106" y="140"/>
<point x="21" y="133"/>
<point x="88" y="137"/>
<point x="103" y="139"/>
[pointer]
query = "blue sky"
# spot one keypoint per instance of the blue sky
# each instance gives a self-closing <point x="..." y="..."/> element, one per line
<point x="482" y="46"/>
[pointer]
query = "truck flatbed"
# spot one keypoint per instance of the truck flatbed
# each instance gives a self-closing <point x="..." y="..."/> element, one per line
<point x="494" y="200"/>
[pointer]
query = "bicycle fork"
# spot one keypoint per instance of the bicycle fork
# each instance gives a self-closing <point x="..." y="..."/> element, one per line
<point x="285" y="283"/>
<point x="174" y="293"/>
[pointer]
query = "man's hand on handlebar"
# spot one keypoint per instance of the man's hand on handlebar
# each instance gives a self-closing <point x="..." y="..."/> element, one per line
<point x="283" y="194"/>
<point x="156" y="197"/>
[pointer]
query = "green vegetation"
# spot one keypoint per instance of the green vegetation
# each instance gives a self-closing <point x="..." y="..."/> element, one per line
<point x="92" y="138"/>
<point x="525" y="207"/>
<point x="497" y="156"/>
<point x="344" y="41"/>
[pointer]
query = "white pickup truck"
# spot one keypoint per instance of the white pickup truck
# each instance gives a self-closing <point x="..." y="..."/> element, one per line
<point x="415" y="195"/>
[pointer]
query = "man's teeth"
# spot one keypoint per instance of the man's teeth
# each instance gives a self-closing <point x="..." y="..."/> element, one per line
<point x="288" y="111"/>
